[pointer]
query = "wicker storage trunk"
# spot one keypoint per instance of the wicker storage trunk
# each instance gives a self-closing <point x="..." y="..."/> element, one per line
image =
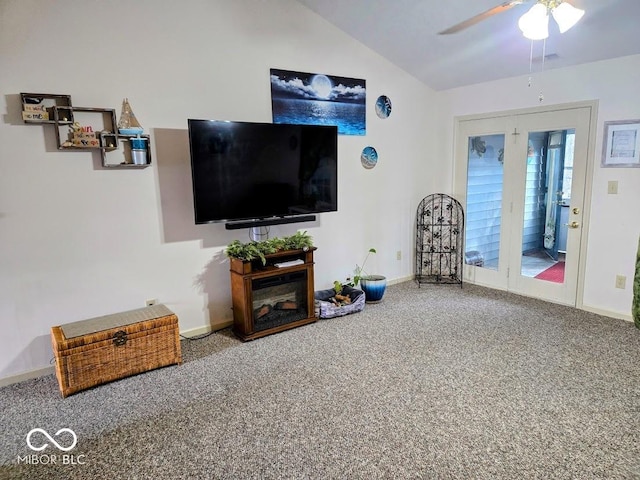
<point x="103" y="349"/>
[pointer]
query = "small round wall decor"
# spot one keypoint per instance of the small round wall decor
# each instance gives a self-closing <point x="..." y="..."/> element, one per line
<point x="369" y="157"/>
<point x="383" y="106"/>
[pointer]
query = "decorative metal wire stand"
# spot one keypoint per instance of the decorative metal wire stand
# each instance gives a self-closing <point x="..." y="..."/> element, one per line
<point x="439" y="240"/>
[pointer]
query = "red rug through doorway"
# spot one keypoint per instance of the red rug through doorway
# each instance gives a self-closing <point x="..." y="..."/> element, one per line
<point x="555" y="273"/>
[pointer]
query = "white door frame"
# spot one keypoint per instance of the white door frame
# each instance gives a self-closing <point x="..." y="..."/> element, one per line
<point x="460" y="193"/>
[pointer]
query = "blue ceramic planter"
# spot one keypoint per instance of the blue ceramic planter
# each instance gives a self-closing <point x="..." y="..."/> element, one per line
<point x="373" y="287"/>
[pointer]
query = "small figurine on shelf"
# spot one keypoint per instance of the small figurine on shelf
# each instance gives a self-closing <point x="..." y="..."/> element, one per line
<point x="128" y="124"/>
<point x="106" y="139"/>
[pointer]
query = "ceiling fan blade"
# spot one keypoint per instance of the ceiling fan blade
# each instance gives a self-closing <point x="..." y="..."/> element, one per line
<point x="482" y="16"/>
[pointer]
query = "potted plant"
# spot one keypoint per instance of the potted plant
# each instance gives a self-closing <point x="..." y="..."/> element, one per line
<point x="373" y="286"/>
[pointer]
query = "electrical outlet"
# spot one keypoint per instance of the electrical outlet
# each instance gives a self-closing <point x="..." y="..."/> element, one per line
<point x="151" y="302"/>
<point x="621" y="281"/>
<point x="399" y="255"/>
<point x="612" y="187"/>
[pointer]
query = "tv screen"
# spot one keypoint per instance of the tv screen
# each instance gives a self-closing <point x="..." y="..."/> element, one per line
<point x="246" y="171"/>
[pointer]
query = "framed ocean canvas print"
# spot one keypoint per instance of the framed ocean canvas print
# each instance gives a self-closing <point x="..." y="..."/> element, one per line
<point x="319" y="99"/>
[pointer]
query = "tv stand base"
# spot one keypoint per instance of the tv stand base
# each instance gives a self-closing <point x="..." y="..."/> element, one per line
<point x="270" y="298"/>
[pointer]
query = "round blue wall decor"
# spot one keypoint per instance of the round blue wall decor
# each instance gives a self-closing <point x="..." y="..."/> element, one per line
<point x="369" y="157"/>
<point x="383" y="106"/>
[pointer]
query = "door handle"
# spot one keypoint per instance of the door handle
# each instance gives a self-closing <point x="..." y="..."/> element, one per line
<point x="572" y="225"/>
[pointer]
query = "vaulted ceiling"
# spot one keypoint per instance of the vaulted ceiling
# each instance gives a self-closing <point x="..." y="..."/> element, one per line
<point x="406" y="33"/>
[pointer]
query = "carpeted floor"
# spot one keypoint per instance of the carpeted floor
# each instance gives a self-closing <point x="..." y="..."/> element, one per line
<point x="436" y="382"/>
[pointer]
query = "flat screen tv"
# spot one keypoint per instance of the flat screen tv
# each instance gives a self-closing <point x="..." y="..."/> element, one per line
<point x="250" y="174"/>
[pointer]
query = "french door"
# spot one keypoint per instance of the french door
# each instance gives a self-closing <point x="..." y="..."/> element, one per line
<point x="521" y="178"/>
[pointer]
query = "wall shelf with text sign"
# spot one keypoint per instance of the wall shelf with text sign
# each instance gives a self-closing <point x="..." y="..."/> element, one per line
<point x="84" y="133"/>
<point x="84" y="128"/>
<point x="38" y="107"/>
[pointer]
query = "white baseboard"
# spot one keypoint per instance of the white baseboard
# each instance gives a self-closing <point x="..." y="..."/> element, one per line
<point x="400" y="280"/>
<point x="607" y="313"/>
<point x="21" y="377"/>
<point x="41" y="372"/>
<point x="586" y="308"/>
<point x="194" y="332"/>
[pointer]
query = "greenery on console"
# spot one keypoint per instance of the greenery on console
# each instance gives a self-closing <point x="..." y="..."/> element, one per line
<point x="254" y="250"/>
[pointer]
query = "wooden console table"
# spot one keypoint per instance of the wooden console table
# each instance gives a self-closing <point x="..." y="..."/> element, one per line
<point x="270" y="298"/>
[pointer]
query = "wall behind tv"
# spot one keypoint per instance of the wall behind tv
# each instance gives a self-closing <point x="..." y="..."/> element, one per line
<point x="79" y="241"/>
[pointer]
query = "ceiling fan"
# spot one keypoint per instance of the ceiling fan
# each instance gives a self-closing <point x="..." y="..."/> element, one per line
<point x="482" y="16"/>
<point x="534" y="24"/>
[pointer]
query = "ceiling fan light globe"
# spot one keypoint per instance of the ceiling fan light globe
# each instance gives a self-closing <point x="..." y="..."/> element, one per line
<point x="535" y="23"/>
<point x="536" y="34"/>
<point x="566" y="16"/>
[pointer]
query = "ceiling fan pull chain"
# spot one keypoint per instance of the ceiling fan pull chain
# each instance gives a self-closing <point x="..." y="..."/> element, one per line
<point x="544" y="52"/>
<point x="531" y="63"/>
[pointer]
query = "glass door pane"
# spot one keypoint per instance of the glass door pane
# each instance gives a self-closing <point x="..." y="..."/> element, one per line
<point x="485" y="179"/>
<point x="546" y="204"/>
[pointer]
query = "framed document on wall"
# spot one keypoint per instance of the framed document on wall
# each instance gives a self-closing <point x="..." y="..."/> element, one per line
<point x="621" y="144"/>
